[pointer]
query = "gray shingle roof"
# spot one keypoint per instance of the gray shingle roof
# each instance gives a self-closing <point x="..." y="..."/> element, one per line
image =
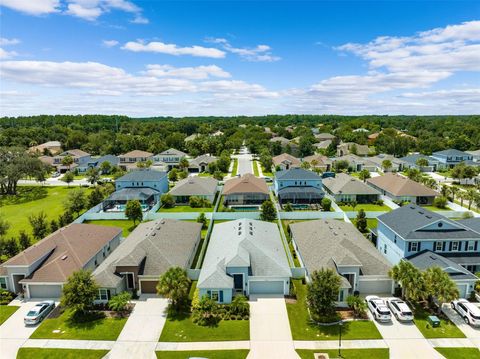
<point x="451" y="152"/>
<point x="330" y="243"/>
<point x="127" y="194"/>
<point x="173" y="151"/>
<point x="473" y="223"/>
<point x="345" y="184"/>
<point x="297" y="174"/>
<point x="408" y="221"/>
<point x="195" y="186"/>
<point x="245" y="242"/>
<point x="142" y="176"/>
<point x="427" y="259"/>
<point x="301" y="192"/>
<point x="203" y="159"/>
<point x="413" y="158"/>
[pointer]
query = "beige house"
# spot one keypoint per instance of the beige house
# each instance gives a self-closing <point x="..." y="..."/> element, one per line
<point x="245" y="190"/>
<point x="286" y="161"/>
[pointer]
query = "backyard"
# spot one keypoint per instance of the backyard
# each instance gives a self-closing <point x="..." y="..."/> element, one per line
<point x="303" y="329"/>
<point x="367" y="207"/>
<point x="126" y="225"/>
<point x="42" y="353"/>
<point x="372" y="223"/>
<point x="185" y="209"/>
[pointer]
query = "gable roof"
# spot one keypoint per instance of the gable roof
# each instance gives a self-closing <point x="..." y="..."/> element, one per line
<point x="361" y="149"/>
<point x="319" y="158"/>
<point x="296" y="174"/>
<point x="345" y="184"/>
<point x="144" y="175"/>
<point x="174" y="152"/>
<point x="426" y="259"/>
<point x="158" y="245"/>
<point x="64" y="251"/>
<point x="247" y="243"/>
<point x="451" y="152"/>
<point x="248" y="183"/>
<point x="408" y="222"/>
<point x="137" y="154"/>
<point x="414" y="157"/>
<point x="401" y="186"/>
<point x="324" y="136"/>
<point x="74" y="153"/>
<point x="331" y="243"/>
<point x="192" y="186"/>
<point x="197" y="161"/>
<point x="286" y="158"/>
<point x="284" y="141"/>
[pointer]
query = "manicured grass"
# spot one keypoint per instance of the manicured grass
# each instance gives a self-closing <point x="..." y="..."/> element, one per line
<point x="434" y="209"/>
<point x="42" y="353"/>
<point x="6" y="311"/>
<point x="303" y="329"/>
<point x="235" y="167"/>
<point x="90" y="327"/>
<point x="210" y="354"/>
<point x="459" y="353"/>
<point x="255" y="169"/>
<point x="371" y="222"/>
<point x="447" y="329"/>
<point x="180" y="328"/>
<point x="126" y="225"/>
<point x="266" y="172"/>
<point x="366" y="207"/>
<point x="33" y="200"/>
<point x="346" y="353"/>
<point x="185" y="209"/>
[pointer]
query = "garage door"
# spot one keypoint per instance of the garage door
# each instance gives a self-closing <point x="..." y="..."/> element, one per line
<point x="375" y="286"/>
<point x="45" y="291"/>
<point x="149" y="286"/>
<point x="462" y="289"/>
<point x="263" y="287"/>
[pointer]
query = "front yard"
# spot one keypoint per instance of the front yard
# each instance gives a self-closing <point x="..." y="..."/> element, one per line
<point x="346" y="353"/>
<point x="210" y="354"/>
<point x="42" y="353"/>
<point x="90" y="327"/>
<point x="447" y="329"/>
<point x="235" y="167"/>
<point x="459" y="353"/>
<point x="367" y="207"/>
<point x="303" y="329"/>
<point x="6" y="311"/>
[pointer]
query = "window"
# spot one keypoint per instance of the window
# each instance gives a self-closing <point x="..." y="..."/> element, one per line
<point x="214" y="295"/>
<point x="102" y="294"/>
<point x="385" y="249"/>
<point x="471" y="246"/>
<point x="340" y="296"/>
<point x="454" y="246"/>
<point x="3" y="282"/>
<point x="438" y="246"/>
<point x="414" y="247"/>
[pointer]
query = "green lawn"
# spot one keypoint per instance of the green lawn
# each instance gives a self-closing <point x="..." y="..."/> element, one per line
<point x="180" y="328"/>
<point x="346" y="353"/>
<point x="32" y="200"/>
<point x="210" y="354"/>
<point x="459" y="353"/>
<point x="366" y="207"/>
<point x="185" y="209"/>
<point x="126" y="225"/>
<point x="41" y="353"/>
<point x="255" y="169"/>
<point x="6" y="311"/>
<point x="447" y="329"/>
<point x="91" y="327"/>
<point x="371" y="222"/>
<point x="303" y="329"/>
<point x="266" y="172"/>
<point x="235" y="167"/>
<point x="434" y="209"/>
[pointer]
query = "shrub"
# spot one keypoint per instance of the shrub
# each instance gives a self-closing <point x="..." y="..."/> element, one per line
<point x="326" y="204"/>
<point x="288" y="207"/>
<point x="205" y="312"/>
<point x="167" y="200"/>
<point x="6" y="296"/>
<point x="119" y="302"/>
<point x="240" y="306"/>
<point x="440" y="202"/>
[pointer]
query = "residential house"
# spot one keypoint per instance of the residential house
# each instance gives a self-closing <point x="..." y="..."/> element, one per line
<point x="452" y="157"/>
<point x="397" y="164"/>
<point x="50" y="148"/>
<point x="403" y="189"/>
<point x="324" y="137"/>
<point x="246" y="190"/>
<point x="217" y="133"/>
<point x="298" y="186"/>
<point x="373" y="137"/>
<point x="147" y="253"/>
<point x="171" y="157"/>
<point x="46" y="160"/>
<point x="339" y="246"/>
<point x="427" y="238"/>
<point x="411" y="161"/>
<point x="41" y="270"/>
<point x="96" y="162"/>
<point x="347" y="148"/>
<point x="356" y="163"/>
<point x="475" y="154"/>
<point x="320" y="162"/>
<point x="323" y="145"/>
<point x="144" y="185"/>
<point x="200" y="163"/>
<point x="129" y="160"/>
<point x="286" y="161"/>
<point x="79" y="158"/>
<point x="246" y="257"/>
<point x="345" y="188"/>
<point x="202" y="187"/>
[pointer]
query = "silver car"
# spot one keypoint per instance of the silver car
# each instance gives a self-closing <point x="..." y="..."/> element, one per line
<point x="378" y="308"/>
<point x="39" y="312"/>
<point x="400" y="309"/>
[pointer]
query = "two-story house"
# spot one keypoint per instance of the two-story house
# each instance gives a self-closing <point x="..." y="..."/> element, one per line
<point x="171" y="158"/>
<point x="41" y="270"/>
<point x="452" y="157"/>
<point x="245" y="257"/>
<point x="79" y="157"/>
<point x="129" y="160"/>
<point x="298" y="186"/>
<point x="412" y="161"/>
<point x="427" y="238"/>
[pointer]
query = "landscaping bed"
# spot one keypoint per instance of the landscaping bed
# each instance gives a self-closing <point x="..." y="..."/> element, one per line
<point x="42" y="353"/>
<point x="210" y="354"/>
<point x="127" y="226"/>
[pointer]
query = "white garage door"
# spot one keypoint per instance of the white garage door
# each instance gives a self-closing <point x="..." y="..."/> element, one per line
<point x="264" y="287"/>
<point x="375" y="286"/>
<point x="45" y="291"/>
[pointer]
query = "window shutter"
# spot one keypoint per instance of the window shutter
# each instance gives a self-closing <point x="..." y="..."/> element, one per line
<point x="450" y="246"/>
<point x="466" y="245"/>
<point x="221" y="296"/>
<point x="434" y="246"/>
<point x="419" y="246"/>
<point x="409" y="246"/>
<point x="443" y="246"/>
<point x="476" y="244"/>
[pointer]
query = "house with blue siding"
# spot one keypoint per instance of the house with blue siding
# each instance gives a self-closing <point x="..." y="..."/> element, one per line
<point x="298" y="186"/>
<point x="452" y="157"/>
<point x="79" y="158"/>
<point x="170" y="158"/>
<point x="244" y="257"/>
<point x="414" y="233"/>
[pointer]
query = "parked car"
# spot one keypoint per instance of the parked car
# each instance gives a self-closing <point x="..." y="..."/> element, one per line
<point x="39" y="312"/>
<point x="400" y="309"/>
<point x="268" y="179"/>
<point x="55" y="174"/>
<point x="378" y="308"/>
<point x="468" y="311"/>
<point x="328" y="175"/>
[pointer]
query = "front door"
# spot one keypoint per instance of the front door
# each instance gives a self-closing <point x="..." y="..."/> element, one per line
<point x="130" y="282"/>
<point x="238" y="282"/>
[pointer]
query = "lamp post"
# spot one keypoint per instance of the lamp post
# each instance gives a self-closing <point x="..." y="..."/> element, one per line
<point x="340" y="325"/>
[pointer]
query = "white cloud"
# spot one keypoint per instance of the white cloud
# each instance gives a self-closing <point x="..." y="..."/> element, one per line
<point x="259" y="53"/>
<point x="33" y="7"/>
<point x="4" y="54"/>
<point x="110" y="43"/>
<point x="173" y="49"/>
<point x="86" y="13"/>
<point x="193" y="73"/>
<point x="6" y="42"/>
<point x="139" y="19"/>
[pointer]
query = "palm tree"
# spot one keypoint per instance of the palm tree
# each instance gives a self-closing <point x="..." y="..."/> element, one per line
<point x="471" y="196"/>
<point x="438" y="285"/>
<point x="175" y="285"/>
<point x="386" y="165"/>
<point x="462" y="195"/>
<point x="410" y="279"/>
<point x="454" y="190"/>
<point x="444" y="190"/>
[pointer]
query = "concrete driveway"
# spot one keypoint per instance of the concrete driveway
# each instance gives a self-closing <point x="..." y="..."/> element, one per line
<point x="13" y="332"/>
<point x="244" y="162"/>
<point x="270" y="335"/>
<point x="472" y="333"/>
<point x="140" y="334"/>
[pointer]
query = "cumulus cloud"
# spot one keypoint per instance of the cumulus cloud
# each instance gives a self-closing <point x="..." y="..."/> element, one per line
<point x="259" y="53"/>
<point x="33" y="7"/>
<point x="4" y="54"/>
<point x="173" y="49"/>
<point x="194" y="73"/>
<point x="6" y="42"/>
<point x="110" y="43"/>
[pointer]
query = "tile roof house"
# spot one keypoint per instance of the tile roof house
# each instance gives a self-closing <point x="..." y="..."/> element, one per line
<point x="79" y="158"/>
<point x="357" y="163"/>
<point x="148" y="252"/>
<point x="200" y="163"/>
<point x="51" y="148"/>
<point x="283" y="141"/>
<point x="286" y="144"/>
<point x="345" y="188"/>
<point x="298" y="186"/>
<point x="324" y="137"/>
<point x="41" y="270"/>
<point x="323" y="145"/>
<point x="202" y="187"/>
<point x="286" y="161"/>
<point x="350" y="148"/>
<point x="426" y="237"/>
<point x="319" y="161"/>
<point x="46" y="160"/>
<point x="244" y="256"/>
<point x="340" y="246"/>
<point x="129" y="160"/>
<point x="245" y="190"/>
<point x="400" y="188"/>
<point x="192" y="137"/>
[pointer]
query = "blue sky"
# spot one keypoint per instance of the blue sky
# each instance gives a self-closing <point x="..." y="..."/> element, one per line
<point x="144" y="58"/>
